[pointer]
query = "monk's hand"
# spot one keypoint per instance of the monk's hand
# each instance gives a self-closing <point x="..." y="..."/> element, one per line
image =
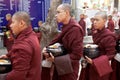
<point x="89" y="60"/>
<point x="51" y="58"/>
<point x="3" y="57"/>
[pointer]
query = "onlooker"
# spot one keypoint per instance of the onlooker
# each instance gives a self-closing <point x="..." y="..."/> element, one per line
<point x="109" y="10"/>
<point x="99" y="68"/>
<point x="25" y="53"/>
<point x="40" y="23"/>
<point x="65" y="67"/>
<point x="87" y="23"/>
<point x="8" y="36"/>
<point x="39" y="34"/>
<point x="85" y="5"/>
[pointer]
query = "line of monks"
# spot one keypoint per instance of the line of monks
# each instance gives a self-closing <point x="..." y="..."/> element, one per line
<point x="98" y="68"/>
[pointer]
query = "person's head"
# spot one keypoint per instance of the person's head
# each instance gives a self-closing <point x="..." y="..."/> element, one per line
<point x="85" y="3"/>
<point x="82" y="16"/>
<point x="109" y="7"/>
<point x="40" y="23"/>
<point x="103" y="4"/>
<point x="109" y="17"/>
<point x="20" y="21"/>
<point x="63" y="13"/>
<point x="100" y="20"/>
<point x="8" y="16"/>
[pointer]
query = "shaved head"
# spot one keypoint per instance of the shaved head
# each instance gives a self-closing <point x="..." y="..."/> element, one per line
<point x="8" y="16"/>
<point x="66" y="7"/>
<point x="21" y="15"/>
<point x="102" y="14"/>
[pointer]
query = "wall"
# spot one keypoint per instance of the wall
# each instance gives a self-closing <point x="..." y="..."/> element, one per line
<point x="36" y="8"/>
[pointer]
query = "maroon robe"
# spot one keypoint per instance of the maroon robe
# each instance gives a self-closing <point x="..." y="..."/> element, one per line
<point x="72" y="39"/>
<point x="8" y="42"/>
<point x="91" y="31"/>
<point x="116" y="67"/>
<point x="100" y="69"/>
<point x="39" y="35"/>
<point x="25" y="57"/>
<point x="111" y="25"/>
<point x="82" y="24"/>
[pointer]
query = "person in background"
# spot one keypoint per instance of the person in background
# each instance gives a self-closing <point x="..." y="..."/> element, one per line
<point x="91" y="30"/>
<point x="8" y="36"/>
<point x="40" y="23"/>
<point x="115" y="18"/>
<point x="65" y="67"/>
<point x="87" y="23"/>
<point x="85" y="5"/>
<point x="25" y="54"/>
<point x="103" y="7"/>
<point x="95" y="6"/>
<point x="99" y="67"/>
<point x="39" y="34"/>
<point x="109" y="10"/>
<point x="110" y="24"/>
<point x="82" y="23"/>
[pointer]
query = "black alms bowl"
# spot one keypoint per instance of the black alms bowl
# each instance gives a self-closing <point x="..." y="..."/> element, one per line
<point x="5" y="66"/>
<point x="91" y="50"/>
<point x="56" y="49"/>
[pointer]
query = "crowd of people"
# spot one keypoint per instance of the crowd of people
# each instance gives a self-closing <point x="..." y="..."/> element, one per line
<point x="25" y="52"/>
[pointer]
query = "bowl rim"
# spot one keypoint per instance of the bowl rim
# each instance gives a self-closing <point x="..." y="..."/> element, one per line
<point x="2" y="64"/>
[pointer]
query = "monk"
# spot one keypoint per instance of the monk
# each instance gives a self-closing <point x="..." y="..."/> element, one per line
<point x="99" y="68"/>
<point x="115" y="75"/>
<point x="110" y="24"/>
<point x="82" y="22"/>
<point x="117" y="65"/>
<point x="8" y="36"/>
<point x="66" y="67"/>
<point x="25" y="53"/>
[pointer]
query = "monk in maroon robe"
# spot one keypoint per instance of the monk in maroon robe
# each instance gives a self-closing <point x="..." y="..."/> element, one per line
<point x="110" y="24"/>
<point x="25" y="53"/>
<point x="82" y="22"/>
<point x="66" y="67"/>
<point x="115" y="75"/>
<point x="8" y="36"/>
<point x="99" y="68"/>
